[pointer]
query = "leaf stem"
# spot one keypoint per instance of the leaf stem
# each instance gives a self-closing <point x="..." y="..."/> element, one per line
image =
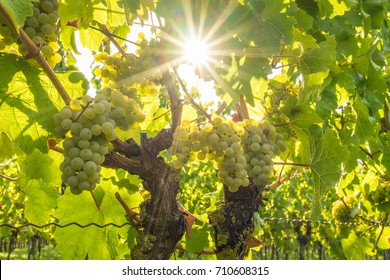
<point x="8" y="178"/>
<point x="130" y="213"/>
<point x="192" y="101"/>
<point x="293" y="164"/>
<point x="95" y="200"/>
<point x="381" y="232"/>
<point x="109" y="34"/>
<point x="111" y="37"/>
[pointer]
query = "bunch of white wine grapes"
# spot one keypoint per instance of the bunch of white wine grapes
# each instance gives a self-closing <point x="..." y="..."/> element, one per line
<point x="88" y="126"/>
<point x="381" y="194"/>
<point x="7" y="37"/>
<point x="241" y="151"/>
<point x="274" y="96"/>
<point x="41" y="27"/>
<point x="261" y="143"/>
<point x="123" y="71"/>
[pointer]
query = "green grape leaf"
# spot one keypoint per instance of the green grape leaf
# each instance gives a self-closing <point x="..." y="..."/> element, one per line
<point x="316" y="63"/>
<point x="98" y="243"/>
<point x="18" y="11"/>
<point x="386" y="159"/>
<point x="41" y="200"/>
<point x="364" y="129"/>
<point x="301" y="115"/>
<point x="38" y="165"/>
<point x="115" y="14"/>
<point x="275" y="26"/>
<point x="130" y="7"/>
<point x="356" y="248"/>
<point x="91" y="39"/>
<point x="84" y="11"/>
<point x="29" y="101"/>
<point x="198" y="240"/>
<point x="8" y="149"/>
<point x="327" y="155"/>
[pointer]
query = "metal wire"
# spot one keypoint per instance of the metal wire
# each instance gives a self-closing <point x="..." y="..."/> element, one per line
<point x="373" y="223"/>
<point x="273" y="219"/>
<point x="65" y="225"/>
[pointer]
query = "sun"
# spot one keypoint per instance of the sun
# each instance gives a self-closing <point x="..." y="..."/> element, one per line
<point x="196" y="52"/>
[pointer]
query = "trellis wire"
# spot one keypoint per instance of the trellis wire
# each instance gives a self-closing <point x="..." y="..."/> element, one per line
<point x="272" y="219"/>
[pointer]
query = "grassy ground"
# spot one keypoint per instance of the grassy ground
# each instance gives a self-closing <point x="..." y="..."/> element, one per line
<point x="47" y="253"/>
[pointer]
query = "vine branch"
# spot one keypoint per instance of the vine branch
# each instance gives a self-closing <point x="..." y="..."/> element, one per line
<point x="115" y="161"/>
<point x="8" y="177"/>
<point x="134" y="217"/>
<point x="111" y="37"/>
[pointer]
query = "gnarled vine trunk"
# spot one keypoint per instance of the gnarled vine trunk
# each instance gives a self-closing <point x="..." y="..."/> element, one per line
<point x="162" y="223"/>
<point x="233" y="221"/>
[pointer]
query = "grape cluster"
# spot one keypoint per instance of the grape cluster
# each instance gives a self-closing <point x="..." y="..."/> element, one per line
<point x="7" y="37"/>
<point x="41" y="28"/>
<point x="241" y="151"/>
<point x="341" y="210"/>
<point x="273" y="97"/>
<point x="123" y="72"/>
<point x="88" y="125"/>
<point x="381" y="194"/>
<point x="261" y="143"/>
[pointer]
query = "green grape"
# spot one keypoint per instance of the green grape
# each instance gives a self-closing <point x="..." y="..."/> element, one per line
<point x="97" y="158"/>
<point x="33" y="22"/>
<point x="94" y="178"/>
<point x="53" y="18"/>
<point x="86" y="134"/>
<point x="72" y="181"/>
<point x="22" y="50"/>
<point x="47" y="52"/>
<point x="90" y="167"/>
<point x="99" y="108"/>
<point x="255" y="147"/>
<point x="30" y="32"/>
<point x="86" y="154"/>
<point x="83" y="144"/>
<point x="75" y="190"/>
<point x="76" y="127"/>
<point x="47" y="6"/>
<point x="82" y="176"/>
<point x="107" y="128"/>
<point x="89" y="113"/>
<point x="43" y="18"/>
<point x="77" y="163"/>
<point x="47" y="29"/>
<point x="68" y="144"/>
<point x="85" y="185"/>
<point x="69" y="171"/>
<point x="74" y="152"/>
<point x="96" y="129"/>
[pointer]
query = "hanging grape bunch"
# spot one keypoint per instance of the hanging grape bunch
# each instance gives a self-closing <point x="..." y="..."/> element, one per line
<point x="131" y="73"/>
<point x="7" y="37"/>
<point x="274" y="96"/>
<point x="41" y="27"/>
<point x="241" y="151"/>
<point x="381" y="195"/>
<point x="88" y="126"/>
